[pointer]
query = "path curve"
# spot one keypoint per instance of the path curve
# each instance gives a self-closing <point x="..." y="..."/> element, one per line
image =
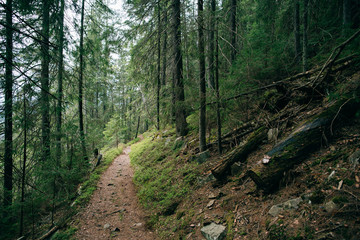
<point x="113" y="211"/>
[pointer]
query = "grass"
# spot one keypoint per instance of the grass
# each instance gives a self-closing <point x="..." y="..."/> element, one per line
<point x="162" y="177"/>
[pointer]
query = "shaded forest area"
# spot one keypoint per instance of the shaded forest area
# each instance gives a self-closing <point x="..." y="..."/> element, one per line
<point x="78" y="77"/>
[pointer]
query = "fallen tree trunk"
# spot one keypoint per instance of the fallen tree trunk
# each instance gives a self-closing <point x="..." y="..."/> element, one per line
<point x="299" y="144"/>
<point x="239" y="154"/>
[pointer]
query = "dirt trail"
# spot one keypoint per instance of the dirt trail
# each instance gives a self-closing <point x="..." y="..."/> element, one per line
<point x="114" y="212"/>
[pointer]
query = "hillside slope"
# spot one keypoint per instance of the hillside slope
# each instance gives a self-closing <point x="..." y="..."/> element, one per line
<point x="181" y="196"/>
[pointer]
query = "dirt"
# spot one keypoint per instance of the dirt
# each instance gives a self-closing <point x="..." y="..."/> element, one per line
<point x="113" y="211"/>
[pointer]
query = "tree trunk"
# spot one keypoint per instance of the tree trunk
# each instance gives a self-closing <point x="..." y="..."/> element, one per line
<point x="81" y="116"/>
<point x="23" y="175"/>
<point x="158" y="71"/>
<point x="164" y="50"/>
<point x="233" y="30"/>
<point x="180" y="115"/>
<point x="60" y="81"/>
<point x="212" y="44"/>
<point x="8" y="155"/>
<point x="202" y="93"/>
<point x="239" y="154"/>
<point x="306" y="139"/>
<point x="137" y="127"/>
<point x="305" y="36"/>
<point x="297" y="31"/>
<point x="44" y="101"/>
<point x="217" y="89"/>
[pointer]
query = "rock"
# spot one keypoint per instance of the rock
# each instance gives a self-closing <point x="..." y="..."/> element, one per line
<point x="106" y="226"/>
<point x="210" y="204"/>
<point x="204" y="180"/>
<point x="201" y="157"/>
<point x="236" y="168"/>
<point x="273" y="134"/>
<point x="214" y="232"/>
<point x="288" y="205"/>
<point x="137" y="225"/>
<point x="355" y="158"/>
<point x="116" y="230"/>
<point x="330" y="207"/>
<point x="212" y="196"/>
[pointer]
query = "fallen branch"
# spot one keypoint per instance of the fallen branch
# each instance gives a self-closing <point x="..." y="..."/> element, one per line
<point x="298" y="145"/>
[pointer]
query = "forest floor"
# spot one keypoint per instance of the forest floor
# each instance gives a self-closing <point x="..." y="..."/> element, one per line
<point x="113" y="211"/>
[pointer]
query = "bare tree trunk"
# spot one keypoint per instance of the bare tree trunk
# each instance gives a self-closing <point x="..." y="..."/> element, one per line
<point x="202" y="93"/>
<point x="217" y="89"/>
<point x="297" y="31"/>
<point x="305" y="36"/>
<point x="44" y="97"/>
<point x="137" y="127"/>
<point x="233" y="30"/>
<point x="60" y="81"/>
<point x="81" y="116"/>
<point x="164" y="51"/>
<point x="212" y="44"/>
<point x="158" y="71"/>
<point x="180" y="115"/>
<point x="8" y="155"/>
<point x="23" y="176"/>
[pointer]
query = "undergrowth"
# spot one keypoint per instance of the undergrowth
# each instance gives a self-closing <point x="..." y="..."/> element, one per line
<point x="162" y="176"/>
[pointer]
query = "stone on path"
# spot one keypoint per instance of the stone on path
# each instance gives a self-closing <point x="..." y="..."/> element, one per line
<point x="214" y="232"/>
<point x="278" y="208"/>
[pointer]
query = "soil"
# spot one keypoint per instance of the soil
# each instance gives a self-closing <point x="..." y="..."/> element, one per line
<point x="113" y="211"/>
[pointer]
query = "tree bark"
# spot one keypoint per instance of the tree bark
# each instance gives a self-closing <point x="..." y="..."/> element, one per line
<point x="217" y="89"/>
<point x="179" y="95"/>
<point x="158" y="71"/>
<point x="307" y="138"/>
<point x="8" y="154"/>
<point x="305" y="36"/>
<point x="44" y="100"/>
<point x="212" y="44"/>
<point x="233" y="30"/>
<point x="23" y="175"/>
<point x="164" y="50"/>
<point x="239" y="154"/>
<point x="81" y="116"/>
<point x="202" y="93"/>
<point x="297" y="31"/>
<point x="60" y="81"/>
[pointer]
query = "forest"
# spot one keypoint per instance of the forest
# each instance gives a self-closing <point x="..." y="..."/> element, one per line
<point x="81" y="80"/>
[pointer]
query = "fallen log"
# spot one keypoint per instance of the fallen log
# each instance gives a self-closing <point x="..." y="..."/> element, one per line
<point x="307" y="138"/>
<point x="239" y="154"/>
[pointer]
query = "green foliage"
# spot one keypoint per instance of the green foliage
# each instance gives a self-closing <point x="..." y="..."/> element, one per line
<point x="64" y="235"/>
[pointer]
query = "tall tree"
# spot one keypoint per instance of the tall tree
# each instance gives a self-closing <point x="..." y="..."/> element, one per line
<point x="305" y="35"/>
<point x="297" y="31"/>
<point x="60" y="80"/>
<point x="164" y="49"/>
<point x="217" y="89"/>
<point x="202" y="93"/>
<point x="212" y="44"/>
<point x="178" y="81"/>
<point x="158" y="69"/>
<point x="81" y="73"/>
<point x="8" y="155"/>
<point x="233" y="30"/>
<point x="45" y="88"/>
